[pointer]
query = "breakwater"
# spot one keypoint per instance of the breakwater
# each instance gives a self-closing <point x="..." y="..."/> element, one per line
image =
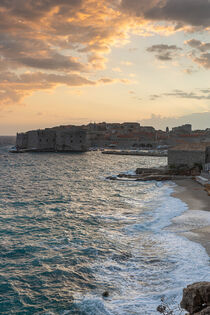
<point x="138" y="153"/>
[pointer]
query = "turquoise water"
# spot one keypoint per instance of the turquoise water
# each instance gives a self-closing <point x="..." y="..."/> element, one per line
<point x="68" y="235"/>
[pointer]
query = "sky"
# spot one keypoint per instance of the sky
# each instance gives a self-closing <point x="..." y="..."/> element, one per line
<point x="79" y="61"/>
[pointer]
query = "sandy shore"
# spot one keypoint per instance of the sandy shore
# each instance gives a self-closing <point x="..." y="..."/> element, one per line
<point x="193" y="194"/>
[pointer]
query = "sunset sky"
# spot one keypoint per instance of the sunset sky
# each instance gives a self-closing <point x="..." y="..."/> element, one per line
<point x="76" y="61"/>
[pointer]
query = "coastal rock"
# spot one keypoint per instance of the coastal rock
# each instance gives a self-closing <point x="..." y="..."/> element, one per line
<point x="105" y="294"/>
<point x="205" y="311"/>
<point x="196" y="298"/>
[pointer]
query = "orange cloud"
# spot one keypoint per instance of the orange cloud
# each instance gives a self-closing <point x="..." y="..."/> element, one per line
<point x="68" y="39"/>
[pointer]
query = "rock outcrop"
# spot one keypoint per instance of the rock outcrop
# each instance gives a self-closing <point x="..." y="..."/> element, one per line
<point x="196" y="298"/>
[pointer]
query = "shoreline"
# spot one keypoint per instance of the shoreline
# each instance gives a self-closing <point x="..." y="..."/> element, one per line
<point x="196" y="198"/>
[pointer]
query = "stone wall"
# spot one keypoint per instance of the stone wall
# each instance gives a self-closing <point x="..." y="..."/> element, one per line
<point x="22" y="140"/>
<point x="46" y="140"/>
<point x="75" y="140"/>
<point x="53" y="139"/>
<point x="32" y="139"/>
<point x="189" y="158"/>
<point x="207" y="155"/>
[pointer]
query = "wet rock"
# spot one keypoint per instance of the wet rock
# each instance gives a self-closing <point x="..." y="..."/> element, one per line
<point x="111" y="177"/>
<point x="161" y="309"/>
<point x="206" y="311"/>
<point x="105" y="294"/>
<point x="196" y="298"/>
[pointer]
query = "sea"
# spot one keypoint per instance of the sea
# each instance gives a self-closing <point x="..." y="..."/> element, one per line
<point x="73" y="242"/>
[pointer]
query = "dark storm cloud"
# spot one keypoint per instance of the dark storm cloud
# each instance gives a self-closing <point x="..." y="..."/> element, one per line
<point x="164" y="52"/>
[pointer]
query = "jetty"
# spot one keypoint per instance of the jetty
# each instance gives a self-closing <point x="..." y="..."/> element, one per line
<point x="157" y="153"/>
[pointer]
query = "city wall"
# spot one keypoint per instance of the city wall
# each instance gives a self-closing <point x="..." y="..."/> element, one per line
<point x="53" y="139"/>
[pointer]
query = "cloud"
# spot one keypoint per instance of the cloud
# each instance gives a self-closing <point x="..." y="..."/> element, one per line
<point x="14" y="87"/>
<point x="195" y="13"/>
<point x="139" y="8"/>
<point x="68" y="40"/>
<point x="201" y="53"/>
<point x="58" y="38"/>
<point x="182" y="12"/>
<point x="203" y="60"/>
<point x="194" y="43"/>
<point x="190" y="95"/>
<point x="164" y="52"/>
<point x="201" y="94"/>
<point x="153" y="97"/>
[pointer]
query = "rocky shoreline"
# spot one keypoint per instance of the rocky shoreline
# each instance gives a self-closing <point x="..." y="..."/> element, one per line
<point x="159" y="174"/>
<point x="196" y="298"/>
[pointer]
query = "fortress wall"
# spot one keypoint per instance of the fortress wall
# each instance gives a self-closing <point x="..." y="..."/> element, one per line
<point x="46" y="139"/>
<point x="53" y="139"/>
<point x="22" y="140"/>
<point x="189" y="158"/>
<point x="71" y="140"/>
<point x="33" y="139"/>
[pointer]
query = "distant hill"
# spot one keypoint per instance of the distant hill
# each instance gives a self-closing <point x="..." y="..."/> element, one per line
<point x="7" y="140"/>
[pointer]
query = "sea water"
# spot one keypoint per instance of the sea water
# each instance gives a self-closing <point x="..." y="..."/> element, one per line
<point x="68" y="235"/>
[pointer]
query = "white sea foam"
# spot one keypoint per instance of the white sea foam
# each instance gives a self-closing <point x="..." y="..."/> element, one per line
<point x="160" y="262"/>
<point x="190" y="220"/>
